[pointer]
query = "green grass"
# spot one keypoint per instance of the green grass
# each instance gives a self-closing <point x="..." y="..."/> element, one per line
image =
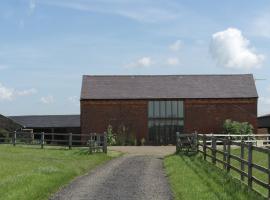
<point x="192" y="178"/>
<point x="258" y="158"/>
<point x="33" y="173"/>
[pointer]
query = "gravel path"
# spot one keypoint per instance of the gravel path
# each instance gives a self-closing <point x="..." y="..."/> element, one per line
<point x="130" y="177"/>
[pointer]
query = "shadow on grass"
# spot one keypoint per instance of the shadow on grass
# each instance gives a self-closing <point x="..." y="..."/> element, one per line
<point x="209" y="173"/>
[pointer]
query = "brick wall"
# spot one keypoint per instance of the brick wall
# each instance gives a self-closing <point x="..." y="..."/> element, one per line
<point x="202" y="115"/>
<point x="208" y="115"/>
<point x="96" y="115"/>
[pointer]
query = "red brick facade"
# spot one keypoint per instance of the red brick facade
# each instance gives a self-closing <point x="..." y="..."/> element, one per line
<point x="96" y="115"/>
<point x="201" y="115"/>
<point x="208" y="115"/>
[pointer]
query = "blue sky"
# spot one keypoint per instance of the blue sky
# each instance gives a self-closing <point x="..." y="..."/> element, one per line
<point x="47" y="45"/>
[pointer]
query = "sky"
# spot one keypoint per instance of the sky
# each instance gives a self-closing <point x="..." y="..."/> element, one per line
<point x="47" y="45"/>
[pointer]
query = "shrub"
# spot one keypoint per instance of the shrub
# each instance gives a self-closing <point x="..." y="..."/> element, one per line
<point x="111" y="138"/>
<point x="237" y="128"/>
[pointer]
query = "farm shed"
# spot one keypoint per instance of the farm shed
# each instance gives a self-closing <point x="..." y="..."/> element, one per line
<point x="50" y="124"/>
<point x="7" y="125"/>
<point x="154" y="107"/>
<point x="264" y="124"/>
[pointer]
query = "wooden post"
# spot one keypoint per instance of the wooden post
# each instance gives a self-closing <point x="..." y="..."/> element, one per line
<point x="250" y="164"/>
<point x="90" y="146"/>
<point x="70" y="141"/>
<point x="224" y="153"/>
<point x="196" y="141"/>
<point x="268" y="154"/>
<point x="228" y="155"/>
<point x="214" y="147"/>
<point x="14" y="138"/>
<point x="242" y="154"/>
<point x="42" y="140"/>
<point x="177" y="142"/>
<point x="105" y="143"/>
<point x="204" y="147"/>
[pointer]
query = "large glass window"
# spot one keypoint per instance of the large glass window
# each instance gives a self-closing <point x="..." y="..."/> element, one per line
<point x="165" y="118"/>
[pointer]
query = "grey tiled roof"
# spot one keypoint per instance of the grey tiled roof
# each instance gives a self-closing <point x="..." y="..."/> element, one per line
<point x="49" y="121"/>
<point x="168" y="86"/>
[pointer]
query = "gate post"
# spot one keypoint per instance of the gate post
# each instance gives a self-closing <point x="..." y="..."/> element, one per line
<point x="204" y="147"/>
<point x="14" y="138"/>
<point x="177" y="142"/>
<point x="105" y="143"/>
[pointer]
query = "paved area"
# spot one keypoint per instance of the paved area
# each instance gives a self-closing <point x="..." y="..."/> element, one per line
<point x="138" y="175"/>
<point x="159" y="151"/>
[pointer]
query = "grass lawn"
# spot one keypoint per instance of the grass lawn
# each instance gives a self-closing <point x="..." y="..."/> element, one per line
<point x="34" y="173"/>
<point x="193" y="178"/>
<point x="258" y="158"/>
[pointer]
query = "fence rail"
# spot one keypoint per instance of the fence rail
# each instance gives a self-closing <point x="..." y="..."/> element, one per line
<point x="94" y="141"/>
<point x="226" y="157"/>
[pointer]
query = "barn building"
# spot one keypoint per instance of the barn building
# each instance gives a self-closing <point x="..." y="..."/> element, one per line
<point x="58" y="125"/>
<point x="264" y="124"/>
<point x="154" y="107"/>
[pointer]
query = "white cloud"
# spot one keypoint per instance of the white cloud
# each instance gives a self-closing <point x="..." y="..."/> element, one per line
<point x="141" y="62"/>
<point x="74" y="100"/>
<point x="10" y="93"/>
<point x="26" y="92"/>
<point x="47" y="99"/>
<point x="6" y="93"/>
<point x="173" y="61"/>
<point x="176" y="46"/>
<point x="232" y="50"/>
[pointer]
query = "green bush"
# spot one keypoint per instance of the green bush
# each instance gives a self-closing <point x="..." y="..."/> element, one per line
<point x="237" y="128"/>
<point x="111" y="138"/>
<point x="122" y="137"/>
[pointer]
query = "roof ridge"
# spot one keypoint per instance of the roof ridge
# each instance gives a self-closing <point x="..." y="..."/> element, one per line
<point x="153" y="75"/>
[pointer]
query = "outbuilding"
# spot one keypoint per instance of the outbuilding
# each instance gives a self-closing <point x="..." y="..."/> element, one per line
<point x="155" y="107"/>
<point x="264" y="124"/>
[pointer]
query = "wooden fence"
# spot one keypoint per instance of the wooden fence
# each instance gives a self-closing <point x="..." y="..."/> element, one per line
<point x="95" y="142"/>
<point x="227" y="157"/>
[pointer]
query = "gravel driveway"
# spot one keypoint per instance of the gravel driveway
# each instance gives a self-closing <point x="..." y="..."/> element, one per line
<point x="130" y="177"/>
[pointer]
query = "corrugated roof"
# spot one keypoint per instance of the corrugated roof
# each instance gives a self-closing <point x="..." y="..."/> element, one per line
<point x="168" y="86"/>
<point x="49" y="121"/>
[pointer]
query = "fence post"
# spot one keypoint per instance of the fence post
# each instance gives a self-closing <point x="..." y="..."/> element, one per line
<point x="14" y="138"/>
<point x="204" y="147"/>
<point x="250" y="164"/>
<point x="90" y="145"/>
<point x="105" y="143"/>
<point x="242" y="153"/>
<point x="42" y="140"/>
<point x="70" y="141"/>
<point x="196" y="141"/>
<point x="224" y="153"/>
<point x="228" y="155"/>
<point x="268" y="154"/>
<point x="177" y="142"/>
<point x="214" y="147"/>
